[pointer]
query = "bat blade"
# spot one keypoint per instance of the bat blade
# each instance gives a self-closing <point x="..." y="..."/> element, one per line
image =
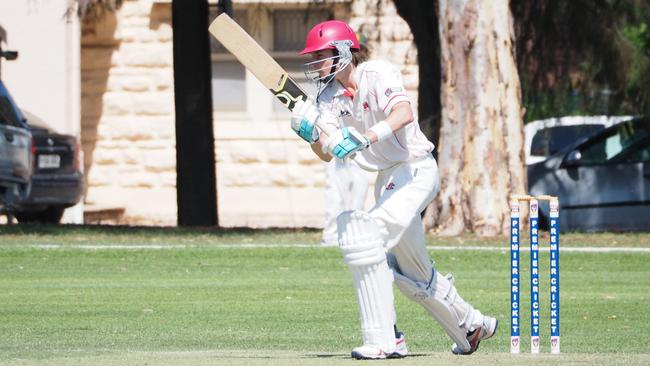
<point x="235" y="39"/>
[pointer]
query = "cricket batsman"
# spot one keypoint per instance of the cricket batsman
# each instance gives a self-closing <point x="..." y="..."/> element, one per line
<point x="375" y="127"/>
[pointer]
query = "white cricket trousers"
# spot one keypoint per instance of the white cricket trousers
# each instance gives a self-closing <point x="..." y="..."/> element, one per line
<point x="402" y="193"/>
<point x="346" y="189"/>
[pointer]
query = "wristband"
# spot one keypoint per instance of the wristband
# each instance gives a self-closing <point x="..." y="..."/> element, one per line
<point x="382" y="130"/>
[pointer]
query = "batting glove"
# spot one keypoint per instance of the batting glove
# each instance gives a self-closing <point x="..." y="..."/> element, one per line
<point x="303" y="117"/>
<point x="346" y="142"/>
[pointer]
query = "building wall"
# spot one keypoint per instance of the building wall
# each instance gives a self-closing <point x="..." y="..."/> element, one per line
<point x="266" y="176"/>
<point x="128" y="113"/>
<point x="45" y="78"/>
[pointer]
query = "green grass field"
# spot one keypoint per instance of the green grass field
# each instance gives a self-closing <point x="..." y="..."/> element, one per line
<point x="135" y="296"/>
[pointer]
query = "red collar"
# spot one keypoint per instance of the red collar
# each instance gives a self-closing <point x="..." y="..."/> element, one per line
<point x="349" y="94"/>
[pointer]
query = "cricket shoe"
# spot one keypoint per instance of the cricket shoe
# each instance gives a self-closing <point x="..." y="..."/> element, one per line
<point x="376" y="353"/>
<point x="475" y="337"/>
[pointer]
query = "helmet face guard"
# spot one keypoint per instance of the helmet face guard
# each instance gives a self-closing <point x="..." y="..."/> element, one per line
<point x="342" y="58"/>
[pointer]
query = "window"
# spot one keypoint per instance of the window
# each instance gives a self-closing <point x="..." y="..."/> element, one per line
<point x="290" y="27"/>
<point x="642" y="155"/>
<point x="9" y="114"/>
<point x="617" y="143"/>
<point x="283" y="31"/>
<point x="228" y="86"/>
<point x="551" y="140"/>
<point x="228" y="75"/>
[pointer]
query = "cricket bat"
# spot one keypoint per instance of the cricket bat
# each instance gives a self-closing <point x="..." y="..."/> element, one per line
<point x="235" y="39"/>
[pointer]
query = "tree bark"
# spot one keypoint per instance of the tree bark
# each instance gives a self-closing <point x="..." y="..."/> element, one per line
<point x="421" y="18"/>
<point x="481" y="139"/>
<point x="93" y="10"/>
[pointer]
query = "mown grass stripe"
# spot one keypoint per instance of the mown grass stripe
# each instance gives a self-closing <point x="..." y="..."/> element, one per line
<point x="261" y="246"/>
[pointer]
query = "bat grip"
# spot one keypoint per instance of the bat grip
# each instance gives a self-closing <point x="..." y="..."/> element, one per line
<point x="328" y="129"/>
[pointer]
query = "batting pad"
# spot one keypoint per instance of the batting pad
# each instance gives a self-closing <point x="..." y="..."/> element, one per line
<point x="364" y="253"/>
<point x="442" y="301"/>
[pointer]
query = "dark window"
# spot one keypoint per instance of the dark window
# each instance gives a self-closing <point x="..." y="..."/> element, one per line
<point x="9" y="115"/>
<point x="551" y="140"/>
<point x="642" y="155"/>
<point x="290" y="27"/>
<point x="615" y="143"/>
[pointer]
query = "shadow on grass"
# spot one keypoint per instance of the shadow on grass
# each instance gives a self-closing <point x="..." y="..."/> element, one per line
<point x="120" y="230"/>
<point x="295" y="235"/>
<point x="347" y="355"/>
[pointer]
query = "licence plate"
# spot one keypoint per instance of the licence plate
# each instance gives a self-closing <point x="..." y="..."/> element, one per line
<point x="49" y="161"/>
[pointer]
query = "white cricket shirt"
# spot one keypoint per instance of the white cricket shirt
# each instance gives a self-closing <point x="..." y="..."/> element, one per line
<point x="379" y="89"/>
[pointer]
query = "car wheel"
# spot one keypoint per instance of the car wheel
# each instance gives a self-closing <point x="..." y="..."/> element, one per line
<point x="51" y="215"/>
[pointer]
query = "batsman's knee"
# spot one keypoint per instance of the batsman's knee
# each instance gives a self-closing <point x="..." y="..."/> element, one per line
<point x="359" y="239"/>
<point x="439" y="297"/>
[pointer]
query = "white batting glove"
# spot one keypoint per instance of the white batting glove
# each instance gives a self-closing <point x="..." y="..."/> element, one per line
<point x="303" y="118"/>
<point x="346" y="142"/>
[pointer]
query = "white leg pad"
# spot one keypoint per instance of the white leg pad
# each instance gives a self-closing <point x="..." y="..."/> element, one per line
<point x="440" y="299"/>
<point x="364" y="253"/>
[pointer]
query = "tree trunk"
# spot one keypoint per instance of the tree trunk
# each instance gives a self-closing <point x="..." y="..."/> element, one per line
<point x="421" y="18"/>
<point x="481" y="139"/>
<point x="93" y="10"/>
<point x="196" y="192"/>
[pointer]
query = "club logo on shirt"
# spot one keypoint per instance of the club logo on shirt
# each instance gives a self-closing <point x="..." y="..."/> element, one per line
<point x="390" y="91"/>
<point x="345" y="113"/>
<point x="390" y="186"/>
<point x="366" y="107"/>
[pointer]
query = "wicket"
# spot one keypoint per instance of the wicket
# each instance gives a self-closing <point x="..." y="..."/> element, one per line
<point x="554" y="216"/>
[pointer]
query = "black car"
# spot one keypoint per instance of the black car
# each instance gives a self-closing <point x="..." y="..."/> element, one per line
<point x="15" y="153"/>
<point x="57" y="181"/>
<point x="603" y="182"/>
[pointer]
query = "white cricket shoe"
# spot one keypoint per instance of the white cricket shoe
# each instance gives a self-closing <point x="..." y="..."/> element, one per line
<point x="475" y="337"/>
<point x="375" y="353"/>
<point x="400" y="346"/>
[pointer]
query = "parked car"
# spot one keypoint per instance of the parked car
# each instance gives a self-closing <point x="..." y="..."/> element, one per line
<point x="546" y="137"/>
<point x="57" y="181"/>
<point x="603" y="182"/>
<point x="15" y="152"/>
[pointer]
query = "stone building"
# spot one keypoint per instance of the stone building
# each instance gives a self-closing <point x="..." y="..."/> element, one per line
<point x="266" y="176"/>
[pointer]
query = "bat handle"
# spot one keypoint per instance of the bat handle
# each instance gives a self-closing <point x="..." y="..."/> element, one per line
<point x="328" y="129"/>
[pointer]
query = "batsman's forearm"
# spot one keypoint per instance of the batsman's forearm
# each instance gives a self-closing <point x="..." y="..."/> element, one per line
<point x="400" y="116"/>
<point x="317" y="148"/>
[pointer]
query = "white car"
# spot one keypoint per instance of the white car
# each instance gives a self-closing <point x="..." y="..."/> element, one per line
<point x="545" y="137"/>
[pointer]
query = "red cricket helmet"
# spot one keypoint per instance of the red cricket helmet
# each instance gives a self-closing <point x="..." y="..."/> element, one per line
<point x="321" y="36"/>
